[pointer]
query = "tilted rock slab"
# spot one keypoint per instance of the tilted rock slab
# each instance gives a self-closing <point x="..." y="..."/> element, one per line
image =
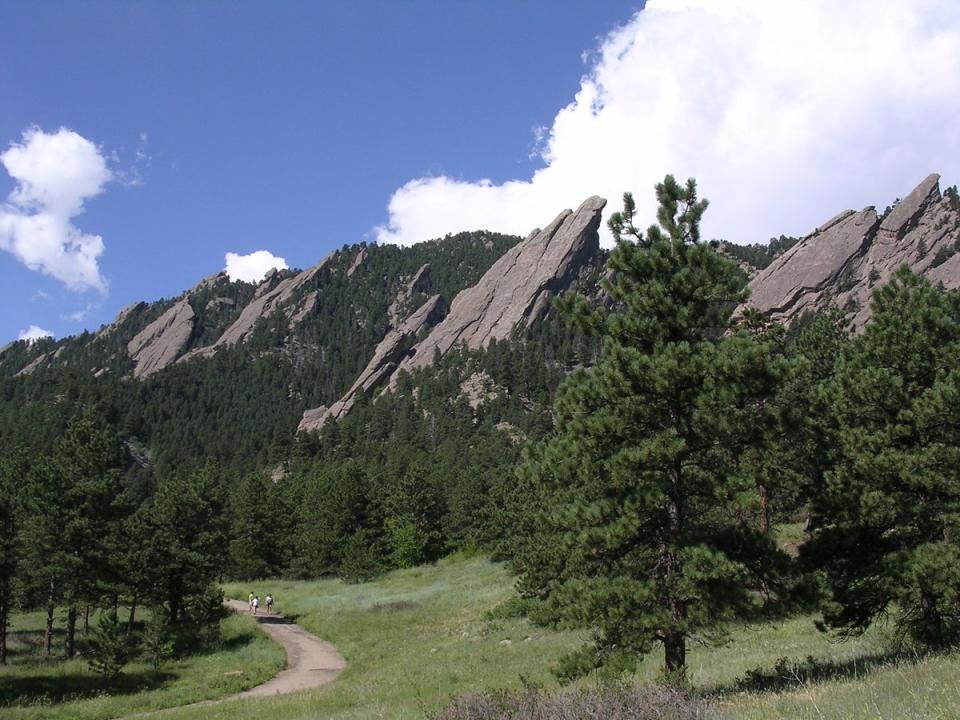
<point x="267" y="299"/>
<point x="843" y="260"/>
<point x="514" y="292"/>
<point x="381" y="367"/>
<point x="161" y="342"/>
<point x="517" y="289"/>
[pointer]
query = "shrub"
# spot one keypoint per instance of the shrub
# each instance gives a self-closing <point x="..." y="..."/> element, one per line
<point x="620" y="702"/>
<point x="109" y="649"/>
<point x="156" y="642"/>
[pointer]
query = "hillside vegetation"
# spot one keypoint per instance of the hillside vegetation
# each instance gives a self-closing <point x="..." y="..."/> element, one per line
<point x="681" y="489"/>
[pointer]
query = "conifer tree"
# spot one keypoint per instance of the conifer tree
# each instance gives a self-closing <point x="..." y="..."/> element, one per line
<point x="13" y="471"/>
<point x="641" y="536"/>
<point x="887" y="520"/>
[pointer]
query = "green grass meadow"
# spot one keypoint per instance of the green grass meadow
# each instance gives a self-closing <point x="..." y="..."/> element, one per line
<point x="414" y="638"/>
<point x="34" y="688"/>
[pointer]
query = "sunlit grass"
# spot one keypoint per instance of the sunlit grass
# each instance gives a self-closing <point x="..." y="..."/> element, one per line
<point x="34" y="687"/>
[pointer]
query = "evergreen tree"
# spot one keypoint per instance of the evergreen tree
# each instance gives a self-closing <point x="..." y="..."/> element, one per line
<point x="642" y="536"/>
<point x="185" y="542"/>
<point x="887" y="520"/>
<point x="13" y="471"/>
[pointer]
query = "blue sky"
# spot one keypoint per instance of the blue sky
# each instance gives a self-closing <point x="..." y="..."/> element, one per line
<point x="296" y="128"/>
<point x="283" y="126"/>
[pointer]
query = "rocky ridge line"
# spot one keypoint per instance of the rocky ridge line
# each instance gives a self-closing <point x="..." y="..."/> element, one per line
<point x="514" y="293"/>
<point x="840" y="262"/>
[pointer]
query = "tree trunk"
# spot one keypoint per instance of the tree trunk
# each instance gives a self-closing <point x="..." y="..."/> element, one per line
<point x="675" y="656"/>
<point x="3" y="629"/>
<point x="48" y="632"/>
<point x="133" y="614"/>
<point x="764" y="509"/>
<point x="86" y="620"/>
<point x="71" y="631"/>
<point x="675" y="641"/>
<point x="932" y="621"/>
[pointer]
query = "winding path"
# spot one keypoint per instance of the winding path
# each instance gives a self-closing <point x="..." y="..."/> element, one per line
<point x="311" y="662"/>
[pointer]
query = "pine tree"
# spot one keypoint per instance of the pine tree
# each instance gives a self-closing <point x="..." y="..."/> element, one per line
<point x="887" y="520"/>
<point x="641" y="536"/>
<point x="13" y="471"/>
<point x="184" y="546"/>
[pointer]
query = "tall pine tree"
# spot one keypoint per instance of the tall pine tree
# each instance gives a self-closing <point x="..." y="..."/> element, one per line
<point x="887" y="519"/>
<point x="642" y="535"/>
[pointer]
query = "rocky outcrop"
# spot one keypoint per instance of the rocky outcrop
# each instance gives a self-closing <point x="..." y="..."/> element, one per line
<point x="419" y="283"/>
<point x="514" y="293"/>
<point x="381" y="367"/>
<point x="270" y="297"/>
<point x="33" y="364"/>
<point x="162" y="341"/>
<point x="121" y="318"/>
<point x="357" y="262"/>
<point x="844" y="259"/>
<point x="516" y="290"/>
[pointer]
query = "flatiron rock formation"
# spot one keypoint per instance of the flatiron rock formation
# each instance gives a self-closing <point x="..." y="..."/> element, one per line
<point x="844" y="259"/>
<point x="160" y="342"/>
<point x="516" y="290"/>
<point x="513" y="293"/>
<point x="381" y="366"/>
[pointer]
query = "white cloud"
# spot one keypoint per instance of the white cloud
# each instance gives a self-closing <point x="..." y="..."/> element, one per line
<point x="55" y="174"/>
<point x="786" y="113"/>
<point x="33" y="333"/>
<point x="252" y="267"/>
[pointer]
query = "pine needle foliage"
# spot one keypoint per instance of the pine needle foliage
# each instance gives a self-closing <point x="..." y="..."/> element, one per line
<point x="639" y="528"/>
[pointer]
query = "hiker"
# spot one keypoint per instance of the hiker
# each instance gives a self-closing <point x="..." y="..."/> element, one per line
<point x="250" y="601"/>
<point x="256" y="604"/>
<point x="269" y="603"/>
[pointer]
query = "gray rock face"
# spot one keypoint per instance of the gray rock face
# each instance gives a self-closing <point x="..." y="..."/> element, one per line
<point x="420" y="282"/>
<point x="515" y="291"/>
<point x="357" y="262"/>
<point x="267" y="299"/>
<point x="842" y="261"/>
<point x="381" y="367"/>
<point x="162" y="341"/>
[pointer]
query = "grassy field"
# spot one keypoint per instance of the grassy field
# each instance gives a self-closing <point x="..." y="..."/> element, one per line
<point x="416" y="637"/>
<point x="34" y="688"/>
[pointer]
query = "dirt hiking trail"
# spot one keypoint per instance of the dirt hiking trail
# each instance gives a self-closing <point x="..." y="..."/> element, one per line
<point x="311" y="662"/>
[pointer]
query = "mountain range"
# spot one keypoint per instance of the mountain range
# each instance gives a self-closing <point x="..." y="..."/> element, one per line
<point x="301" y="348"/>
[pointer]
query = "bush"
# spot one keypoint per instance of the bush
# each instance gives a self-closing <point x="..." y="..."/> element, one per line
<point x="109" y="649"/>
<point x="613" y="703"/>
<point x="156" y="642"/>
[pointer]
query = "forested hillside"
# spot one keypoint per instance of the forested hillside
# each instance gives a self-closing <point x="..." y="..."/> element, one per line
<point x="241" y="405"/>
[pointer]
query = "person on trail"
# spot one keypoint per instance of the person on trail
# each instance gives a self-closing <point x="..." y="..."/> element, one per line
<point x="250" y="601"/>
<point x="256" y="604"/>
<point x="269" y="603"/>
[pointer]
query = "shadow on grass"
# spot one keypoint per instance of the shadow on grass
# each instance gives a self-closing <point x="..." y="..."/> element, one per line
<point x="62" y="688"/>
<point x="789" y="673"/>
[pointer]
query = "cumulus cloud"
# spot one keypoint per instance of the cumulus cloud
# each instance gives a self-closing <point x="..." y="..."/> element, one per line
<point x="252" y="267"/>
<point x="33" y="333"/>
<point x="786" y="113"/>
<point x="55" y="173"/>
